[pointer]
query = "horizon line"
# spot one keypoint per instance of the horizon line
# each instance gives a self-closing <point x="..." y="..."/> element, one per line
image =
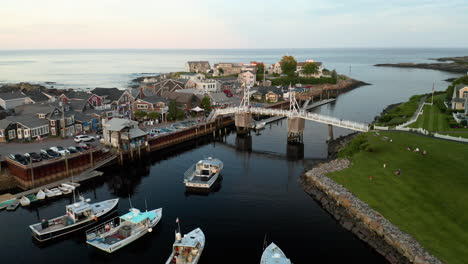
<point x="383" y="47"/>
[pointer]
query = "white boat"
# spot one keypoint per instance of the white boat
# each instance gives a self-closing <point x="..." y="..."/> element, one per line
<point x="203" y="174"/>
<point x="56" y="191"/>
<point x="274" y="255"/>
<point x="41" y="195"/>
<point x="260" y="125"/>
<point x="65" y="190"/>
<point x="187" y="249"/>
<point x="24" y="201"/>
<point x="123" y="230"/>
<point x="69" y="186"/>
<point x="49" y="193"/>
<point x="78" y="215"/>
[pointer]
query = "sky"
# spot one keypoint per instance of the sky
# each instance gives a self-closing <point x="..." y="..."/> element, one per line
<point x="218" y="24"/>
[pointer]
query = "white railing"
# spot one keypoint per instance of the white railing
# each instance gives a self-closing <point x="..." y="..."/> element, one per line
<point x="102" y="229"/>
<point x="300" y="114"/>
<point x="460" y="139"/>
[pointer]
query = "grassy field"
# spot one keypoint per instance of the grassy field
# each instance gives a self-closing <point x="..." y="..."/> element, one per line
<point x="428" y="200"/>
<point x="401" y="113"/>
<point x="434" y="120"/>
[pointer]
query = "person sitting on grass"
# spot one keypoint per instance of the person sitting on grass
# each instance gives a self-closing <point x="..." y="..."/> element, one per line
<point x="398" y="172"/>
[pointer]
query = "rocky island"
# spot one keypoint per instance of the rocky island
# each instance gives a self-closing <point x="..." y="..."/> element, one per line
<point x="448" y="64"/>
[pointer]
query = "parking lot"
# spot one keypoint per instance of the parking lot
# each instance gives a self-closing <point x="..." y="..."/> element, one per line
<point x="36" y="146"/>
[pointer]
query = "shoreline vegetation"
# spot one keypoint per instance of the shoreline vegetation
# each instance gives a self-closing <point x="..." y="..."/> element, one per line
<point x="448" y="64"/>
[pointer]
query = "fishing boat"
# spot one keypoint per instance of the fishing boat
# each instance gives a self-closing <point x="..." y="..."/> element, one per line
<point x="203" y="174"/>
<point x="40" y="195"/>
<point x="24" y="201"/>
<point x="78" y="215"/>
<point x="123" y="230"/>
<point x="12" y="206"/>
<point x="187" y="249"/>
<point x="274" y="255"/>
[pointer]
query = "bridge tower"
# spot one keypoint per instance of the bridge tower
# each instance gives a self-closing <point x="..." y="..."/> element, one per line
<point x="243" y="118"/>
<point x="295" y="123"/>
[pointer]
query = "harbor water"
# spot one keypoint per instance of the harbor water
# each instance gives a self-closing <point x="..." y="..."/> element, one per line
<point x="259" y="194"/>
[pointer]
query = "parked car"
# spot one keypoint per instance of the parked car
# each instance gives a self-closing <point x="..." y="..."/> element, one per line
<point x="72" y="150"/>
<point x="61" y="150"/>
<point x="33" y="156"/>
<point x="44" y="156"/>
<point x="19" y="158"/>
<point x="80" y="149"/>
<point x="83" y="138"/>
<point x="84" y="145"/>
<point x="50" y="153"/>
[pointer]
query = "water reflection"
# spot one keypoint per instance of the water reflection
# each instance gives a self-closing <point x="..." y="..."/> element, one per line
<point x="244" y="143"/>
<point x="295" y="151"/>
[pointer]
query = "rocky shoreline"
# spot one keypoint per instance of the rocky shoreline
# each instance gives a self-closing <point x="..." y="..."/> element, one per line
<point x="449" y="64"/>
<point x="356" y="216"/>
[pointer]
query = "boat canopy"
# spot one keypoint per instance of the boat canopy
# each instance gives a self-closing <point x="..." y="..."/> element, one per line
<point x="211" y="162"/>
<point x="186" y="241"/>
<point x="135" y="216"/>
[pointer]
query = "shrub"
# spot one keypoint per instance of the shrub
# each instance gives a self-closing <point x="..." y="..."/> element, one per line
<point x="354" y="146"/>
<point x="464" y="123"/>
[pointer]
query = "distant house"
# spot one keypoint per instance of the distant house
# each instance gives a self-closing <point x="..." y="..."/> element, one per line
<point x="276" y="68"/>
<point x="123" y="134"/>
<point x="119" y="100"/>
<point x="197" y="66"/>
<point x="192" y="76"/>
<point x="248" y="77"/>
<point x="29" y="127"/>
<point x="169" y="85"/>
<point x="150" y="104"/>
<point x="7" y="130"/>
<point x="269" y="94"/>
<point x="10" y="100"/>
<point x="227" y="68"/>
<point x="301" y="73"/>
<point x="39" y="97"/>
<point x="219" y="99"/>
<point x="184" y="100"/>
<point x="460" y="97"/>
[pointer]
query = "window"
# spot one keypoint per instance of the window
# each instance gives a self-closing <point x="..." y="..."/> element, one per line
<point x="52" y="122"/>
<point x="11" y="134"/>
<point x="142" y="106"/>
<point x="42" y="116"/>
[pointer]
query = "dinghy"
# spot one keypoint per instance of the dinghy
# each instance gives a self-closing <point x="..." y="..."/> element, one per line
<point x="49" y="193"/>
<point x="25" y="201"/>
<point x="12" y="206"/>
<point x="274" y="255"/>
<point x="5" y="204"/>
<point x="56" y="191"/>
<point x="69" y="186"/>
<point x="123" y="230"/>
<point x="260" y="125"/>
<point x="187" y="249"/>
<point x="65" y="190"/>
<point x="41" y="195"/>
<point x="78" y="215"/>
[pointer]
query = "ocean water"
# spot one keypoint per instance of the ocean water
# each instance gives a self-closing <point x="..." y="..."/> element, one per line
<point x="259" y="194"/>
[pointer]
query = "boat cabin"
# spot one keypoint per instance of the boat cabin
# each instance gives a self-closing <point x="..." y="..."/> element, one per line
<point x="185" y="250"/>
<point x="207" y="168"/>
<point x="79" y="211"/>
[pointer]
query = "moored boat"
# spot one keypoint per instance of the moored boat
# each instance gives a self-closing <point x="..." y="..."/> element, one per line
<point x="40" y="195"/>
<point x="203" y="174"/>
<point x="24" y="201"/>
<point x="260" y="125"/>
<point x="49" y="193"/>
<point x="12" y="206"/>
<point x="123" y="230"/>
<point x="78" y="215"/>
<point x="56" y="191"/>
<point x="187" y="249"/>
<point x="5" y="204"/>
<point x="274" y="255"/>
<point x="65" y="190"/>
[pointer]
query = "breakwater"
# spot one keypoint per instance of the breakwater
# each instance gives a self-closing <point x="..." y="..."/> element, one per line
<point x="357" y="217"/>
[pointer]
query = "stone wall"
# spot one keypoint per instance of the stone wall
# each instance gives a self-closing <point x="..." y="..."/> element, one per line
<point x="357" y="217"/>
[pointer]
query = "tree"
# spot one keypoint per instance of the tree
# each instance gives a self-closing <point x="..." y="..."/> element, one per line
<point x="221" y="71"/>
<point x="334" y="76"/>
<point x="153" y="115"/>
<point x="288" y="65"/>
<point x="139" y="114"/>
<point x="310" y="68"/>
<point x="206" y="104"/>
<point x="173" y="110"/>
<point x="260" y="68"/>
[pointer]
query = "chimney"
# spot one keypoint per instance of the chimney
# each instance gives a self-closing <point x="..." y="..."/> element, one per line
<point x="142" y="95"/>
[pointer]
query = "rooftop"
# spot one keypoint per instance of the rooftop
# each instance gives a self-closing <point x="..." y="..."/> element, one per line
<point x="12" y="95"/>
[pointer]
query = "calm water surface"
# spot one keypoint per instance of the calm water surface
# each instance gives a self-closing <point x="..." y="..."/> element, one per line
<point x="259" y="193"/>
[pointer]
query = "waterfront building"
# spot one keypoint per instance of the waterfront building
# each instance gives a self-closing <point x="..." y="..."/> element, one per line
<point x="7" y="130"/>
<point x="150" y="104"/>
<point x="120" y="101"/>
<point x="224" y="69"/>
<point x="185" y="101"/>
<point x="10" y="100"/>
<point x="123" y="134"/>
<point x="192" y="76"/>
<point x="301" y="73"/>
<point x="247" y="77"/>
<point x="197" y="66"/>
<point x="459" y="97"/>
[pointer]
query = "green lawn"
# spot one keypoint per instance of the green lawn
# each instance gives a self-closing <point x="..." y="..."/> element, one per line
<point x="428" y="200"/>
<point x="434" y="120"/>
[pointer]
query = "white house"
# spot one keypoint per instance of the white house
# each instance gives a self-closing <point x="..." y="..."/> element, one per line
<point x="248" y="78"/>
<point x="208" y="85"/>
<point x="193" y="76"/>
<point x="301" y="73"/>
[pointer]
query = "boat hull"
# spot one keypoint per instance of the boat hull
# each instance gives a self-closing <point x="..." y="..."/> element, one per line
<point x="200" y="184"/>
<point x="73" y="228"/>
